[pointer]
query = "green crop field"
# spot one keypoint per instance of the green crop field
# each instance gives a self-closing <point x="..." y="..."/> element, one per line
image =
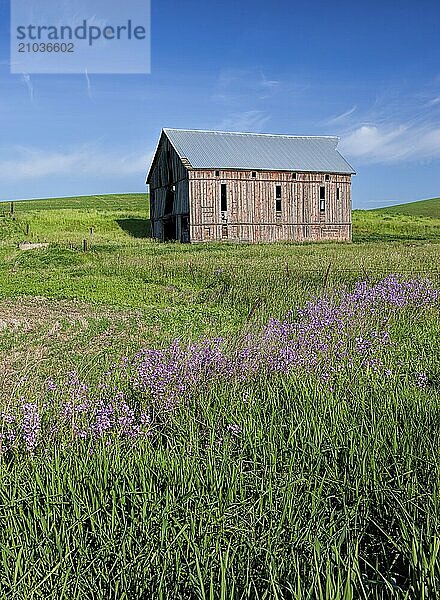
<point x="218" y="420"/>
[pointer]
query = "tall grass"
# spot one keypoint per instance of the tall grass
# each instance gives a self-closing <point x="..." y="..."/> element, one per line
<point x="278" y="470"/>
<point x="286" y="483"/>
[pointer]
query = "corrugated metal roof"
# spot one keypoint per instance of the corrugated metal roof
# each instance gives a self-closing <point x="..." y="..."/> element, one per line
<point x="269" y="152"/>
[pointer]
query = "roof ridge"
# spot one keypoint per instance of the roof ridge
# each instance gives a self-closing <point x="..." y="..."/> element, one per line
<point x="287" y="135"/>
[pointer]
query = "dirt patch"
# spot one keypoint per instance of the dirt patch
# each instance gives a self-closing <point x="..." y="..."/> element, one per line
<point x="40" y="337"/>
<point x="10" y="323"/>
<point x="32" y="246"/>
<point x="31" y="312"/>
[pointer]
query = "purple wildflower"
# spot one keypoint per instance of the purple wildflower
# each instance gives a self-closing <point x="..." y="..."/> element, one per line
<point x="234" y="429"/>
<point x="422" y="380"/>
<point x="31" y="425"/>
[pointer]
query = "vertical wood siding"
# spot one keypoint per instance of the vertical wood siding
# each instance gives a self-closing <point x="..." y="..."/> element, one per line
<point x="251" y="214"/>
<point x="168" y="170"/>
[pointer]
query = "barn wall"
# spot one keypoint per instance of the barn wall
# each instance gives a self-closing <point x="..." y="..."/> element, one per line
<point x="168" y="170"/>
<point x="251" y="214"/>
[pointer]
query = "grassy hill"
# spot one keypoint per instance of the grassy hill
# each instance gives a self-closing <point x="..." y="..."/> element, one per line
<point x="412" y="221"/>
<point x="423" y="208"/>
<point x="111" y="217"/>
<point x="106" y="202"/>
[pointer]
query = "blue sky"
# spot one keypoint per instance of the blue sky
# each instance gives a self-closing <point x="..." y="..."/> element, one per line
<point x="368" y="72"/>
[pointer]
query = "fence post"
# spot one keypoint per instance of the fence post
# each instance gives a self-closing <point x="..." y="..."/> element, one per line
<point x="327" y="274"/>
<point x="367" y="279"/>
<point x="85" y="246"/>
<point x="256" y="305"/>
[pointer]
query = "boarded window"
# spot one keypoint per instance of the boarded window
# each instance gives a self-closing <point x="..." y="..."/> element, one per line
<point x="278" y="198"/>
<point x="223" y="198"/>
<point x="337" y="193"/>
<point x="327" y="177"/>
<point x="217" y="173"/>
<point x="322" y="198"/>
<point x="254" y="173"/>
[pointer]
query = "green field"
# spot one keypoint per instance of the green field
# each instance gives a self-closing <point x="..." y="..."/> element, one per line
<point x="424" y="208"/>
<point x="318" y="481"/>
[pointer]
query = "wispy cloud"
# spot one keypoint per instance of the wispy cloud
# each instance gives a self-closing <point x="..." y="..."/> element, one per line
<point x="28" y="82"/>
<point x="35" y="163"/>
<point x="246" y="97"/>
<point x="246" y="121"/>
<point x="392" y="143"/>
<point x="267" y="83"/>
<point x="89" y="87"/>
<point x="238" y="85"/>
<point x="342" y="116"/>
<point x="391" y="132"/>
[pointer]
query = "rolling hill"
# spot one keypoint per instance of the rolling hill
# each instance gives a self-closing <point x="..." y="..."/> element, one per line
<point x="422" y="208"/>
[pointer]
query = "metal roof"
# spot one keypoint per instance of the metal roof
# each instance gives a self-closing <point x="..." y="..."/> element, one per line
<point x="269" y="152"/>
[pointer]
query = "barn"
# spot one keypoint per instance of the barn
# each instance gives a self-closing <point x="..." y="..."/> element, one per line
<point x="247" y="187"/>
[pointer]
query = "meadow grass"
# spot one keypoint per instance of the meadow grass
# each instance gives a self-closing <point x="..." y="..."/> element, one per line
<point x="284" y="486"/>
<point x="411" y="221"/>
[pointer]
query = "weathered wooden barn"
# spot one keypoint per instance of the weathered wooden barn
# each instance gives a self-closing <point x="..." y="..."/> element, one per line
<point x="246" y="187"/>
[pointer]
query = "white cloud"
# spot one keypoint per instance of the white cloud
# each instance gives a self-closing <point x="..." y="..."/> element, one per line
<point x="30" y="163"/>
<point x="396" y="128"/>
<point x="392" y="143"/>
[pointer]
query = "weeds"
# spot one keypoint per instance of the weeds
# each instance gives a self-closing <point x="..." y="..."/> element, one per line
<point x="273" y="473"/>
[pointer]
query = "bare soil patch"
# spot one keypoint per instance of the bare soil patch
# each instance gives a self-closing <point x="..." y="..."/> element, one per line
<point x="41" y="337"/>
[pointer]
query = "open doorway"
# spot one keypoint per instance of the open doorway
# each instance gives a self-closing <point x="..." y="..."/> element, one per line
<point x="169" y="229"/>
